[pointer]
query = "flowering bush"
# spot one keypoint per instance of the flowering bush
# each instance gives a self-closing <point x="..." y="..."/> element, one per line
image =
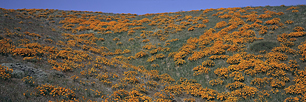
<point x="120" y="94"/>
<point x="104" y="77"/>
<point x="292" y="99"/>
<point x="235" y="85"/>
<point x="140" y="54"/>
<point x="116" y="39"/>
<point x="32" y="34"/>
<point x="275" y="83"/>
<point x="298" y="29"/>
<point x="47" y="89"/>
<point x="205" y="21"/>
<point x="25" y="52"/>
<point x="302" y="51"/>
<point x="261" y="82"/>
<point x="180" y="62"/>
<point x="155" y="65"/>
<point x="246" y="92"/>
<point x="131" y="39"/>
<point x="290" y="8"/>
<point x="263" y="16"/>
<point x="222" y="72"/>
<point x="273" y="27"/>
<point x="237" y="76"/>
<point x="215" y="82"/>
<point x="145" y="40"/>
<point x="200" y="70"/>
<point x="151" y="59"/>
<point x="209" y="63"/>
<point x="119" y="43"/>
<point x="189" y="100"/>
<point x="5" y="72"/>
<point x="6" y="46"/>
<point x="218" y="57"/>
<point x="289" y="22"/>
<point x="295" y="10"/>
<point x="29" y="80"/>
<point x="160" y="56"/>
<point x="273" y="21"/>
<point x="221" y="24"/>
<point x="197" y="55"/>
<point x="149" y="46"/>
<point x="276" y="55"/>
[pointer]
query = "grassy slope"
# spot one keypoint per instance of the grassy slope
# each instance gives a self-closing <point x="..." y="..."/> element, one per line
<point x="43" y="26"/>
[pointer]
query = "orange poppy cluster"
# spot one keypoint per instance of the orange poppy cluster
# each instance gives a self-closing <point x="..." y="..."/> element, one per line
<point x="289" y="22"/>
<point x="221" y="24"/>
<point x="298" y="29"/>
<point x="155" y="65"/>
<point x="237" y="76"/>
<point x="149" y="46"/>
<point x="295" y="10"/>
<point x="29" y="80"/>
<point x="13" y="34"/>
<point x="145" y="40"/>
<point x="203" y="68"/>
<point x="6" y="46"/>
<point x="32" y="34"/>
<point x="5" y="72"/>
<point x="261" y="82"/>
<point x="213" y="57"/>
<point x="302" y="49"/>
<point x="140" y="54"/>
<point x="215" y="82"/>
<point x="48" y="89"/>
<point x="222" y="72"/>
<point x="104" y="77"/>
<point x="151" y="59"/>
<point x="200" y="70"/>
<point x="273" y="21"/>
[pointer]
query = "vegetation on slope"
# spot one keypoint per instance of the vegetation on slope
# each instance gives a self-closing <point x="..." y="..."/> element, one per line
<point x="225" y="54"/>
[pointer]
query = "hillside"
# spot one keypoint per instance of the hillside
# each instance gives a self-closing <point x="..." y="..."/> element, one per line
<point x="225" y="54"/>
